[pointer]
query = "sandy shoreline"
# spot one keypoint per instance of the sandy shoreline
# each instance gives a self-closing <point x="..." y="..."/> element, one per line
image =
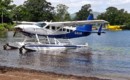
<point x="9" y="73"/>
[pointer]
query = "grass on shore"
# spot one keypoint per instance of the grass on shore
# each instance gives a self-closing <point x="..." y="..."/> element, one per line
<point x="6" y="26"/>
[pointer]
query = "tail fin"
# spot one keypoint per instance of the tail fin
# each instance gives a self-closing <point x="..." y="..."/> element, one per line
<point x="90" y="17"/>
<point x="87" y="27"/>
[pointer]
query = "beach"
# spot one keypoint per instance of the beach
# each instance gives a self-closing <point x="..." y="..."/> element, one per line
<point x="8" y="73"/>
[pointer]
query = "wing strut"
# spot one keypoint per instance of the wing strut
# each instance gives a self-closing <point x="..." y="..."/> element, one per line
<point x="37" y="38"/>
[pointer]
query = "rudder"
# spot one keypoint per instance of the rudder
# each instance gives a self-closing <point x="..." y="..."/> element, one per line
<point x="86" y="27"/>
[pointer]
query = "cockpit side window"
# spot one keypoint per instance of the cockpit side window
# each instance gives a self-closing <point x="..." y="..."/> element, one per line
<point x="48" y="27"/>
<point x="41" y="24"/>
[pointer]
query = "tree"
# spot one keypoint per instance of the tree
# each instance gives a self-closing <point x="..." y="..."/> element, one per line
<point x="38" y="10"/>
<point x="114" y="16"/>
<point x="5" y="8"/>
<point x="61" y="13"/>
<point x="84" y="12"/>
<point x="127" y="21"/>
<point x="19" y="13"/>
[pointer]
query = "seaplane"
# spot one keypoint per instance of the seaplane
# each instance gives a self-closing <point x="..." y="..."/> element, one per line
<point x="56" y="30"/>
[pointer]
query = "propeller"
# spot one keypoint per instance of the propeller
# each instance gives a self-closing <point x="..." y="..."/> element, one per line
<point x="14" y="33"/>
<point x="16" y="30"/>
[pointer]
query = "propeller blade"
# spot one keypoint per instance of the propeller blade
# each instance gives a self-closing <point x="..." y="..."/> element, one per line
<point x="14" y="33"/>
<point x="16" y="30"/>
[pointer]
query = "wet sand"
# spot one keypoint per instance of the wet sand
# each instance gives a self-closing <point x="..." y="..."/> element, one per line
<point x="9" y="73"/>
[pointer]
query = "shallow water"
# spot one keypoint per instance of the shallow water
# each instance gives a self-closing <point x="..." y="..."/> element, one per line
<point x="108" y="56"/>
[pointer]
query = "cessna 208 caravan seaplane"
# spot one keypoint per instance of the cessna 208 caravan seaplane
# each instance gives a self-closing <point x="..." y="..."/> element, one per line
<point x="65" y="30"/>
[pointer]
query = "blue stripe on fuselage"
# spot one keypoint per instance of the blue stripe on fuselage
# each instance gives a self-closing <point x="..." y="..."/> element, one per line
<point x="74" y="34"/>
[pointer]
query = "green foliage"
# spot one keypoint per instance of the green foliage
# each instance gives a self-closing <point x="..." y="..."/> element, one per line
<point x="10" y="27"/>
<point x="19" y="13"/>
<point x="127" y="25"/>
<point x="114" y="16"/>
<point x="3" y="34"/>
<point x="2" y="27"/>
<point x="84" y="12"/>
<point x="67" y="17"/>
<point x="33" y="10"/>
<point x="6" y="26"/>
<point x="38" y="10"/>
<point x="61" y="13"/>
<point x="5" y="8"/>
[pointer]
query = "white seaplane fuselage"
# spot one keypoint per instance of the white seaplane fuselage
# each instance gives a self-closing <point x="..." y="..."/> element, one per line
<point x="45" y="30"/>
<point x="64" y="30"/>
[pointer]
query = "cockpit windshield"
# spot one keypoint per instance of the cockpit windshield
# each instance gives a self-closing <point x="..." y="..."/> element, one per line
<point x="40" y="24"/>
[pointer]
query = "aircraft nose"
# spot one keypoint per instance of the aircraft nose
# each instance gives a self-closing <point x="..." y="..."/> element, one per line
<point x="18" y="28"/>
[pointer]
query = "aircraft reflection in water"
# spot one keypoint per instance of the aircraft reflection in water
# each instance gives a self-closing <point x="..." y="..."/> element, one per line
<point x="67" y="62"/>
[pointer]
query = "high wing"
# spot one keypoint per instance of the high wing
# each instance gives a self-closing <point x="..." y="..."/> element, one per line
<point x="25" y="22"/>
<point x="73" y="23"/>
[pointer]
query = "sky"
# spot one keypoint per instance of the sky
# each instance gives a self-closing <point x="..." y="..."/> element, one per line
<point x="96" y="5"/>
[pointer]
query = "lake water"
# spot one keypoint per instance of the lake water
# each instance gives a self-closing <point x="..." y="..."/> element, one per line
<point x="108" y="56"/>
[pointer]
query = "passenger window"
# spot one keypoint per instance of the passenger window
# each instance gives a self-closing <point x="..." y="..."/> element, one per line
<point x="53" y="27"/>
<point x="64" y="29"/>
<point x="68" y="30"/>
<point x="71" y="30"/>
<point x="48" y="27"/>
<point x="60" y="29"/>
